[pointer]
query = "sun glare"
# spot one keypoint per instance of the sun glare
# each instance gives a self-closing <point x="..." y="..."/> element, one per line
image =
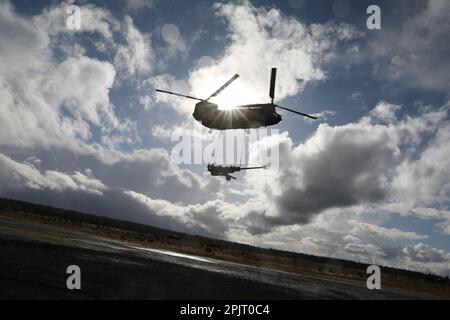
<point x="239" y="92"/>
<point x="230" y="98"/>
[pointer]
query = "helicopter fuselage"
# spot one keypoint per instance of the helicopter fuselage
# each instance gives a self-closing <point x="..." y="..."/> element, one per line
<point x="240" y="117"/>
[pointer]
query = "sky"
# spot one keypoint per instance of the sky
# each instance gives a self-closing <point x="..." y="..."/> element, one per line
<point x="82" y="128"/>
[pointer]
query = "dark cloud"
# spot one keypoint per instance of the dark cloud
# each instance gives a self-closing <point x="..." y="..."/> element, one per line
<point x="414" y="51"/>
<point x="339" y="167"/>
<point x="257" y="222"/>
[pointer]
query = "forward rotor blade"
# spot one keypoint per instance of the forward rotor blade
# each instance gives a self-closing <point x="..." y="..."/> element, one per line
<point x="273" y="77"/>
<point x="179" y="94"/>
<point x="224" y="86"/>
<point x="297" y="112"/>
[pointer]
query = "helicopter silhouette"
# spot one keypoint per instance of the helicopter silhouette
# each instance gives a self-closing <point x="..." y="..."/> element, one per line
<point x="241" y="117"/>
<point x="225" y="171"/>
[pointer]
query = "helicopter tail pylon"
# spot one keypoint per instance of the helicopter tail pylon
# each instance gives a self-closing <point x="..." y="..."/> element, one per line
<point x="273" y="78"/>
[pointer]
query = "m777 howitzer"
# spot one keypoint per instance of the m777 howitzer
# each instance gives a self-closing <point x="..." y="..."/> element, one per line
<point x="217" y="170"/>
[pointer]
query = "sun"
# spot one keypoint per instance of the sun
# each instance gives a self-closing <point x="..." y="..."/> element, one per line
<point x="235" y="95"/>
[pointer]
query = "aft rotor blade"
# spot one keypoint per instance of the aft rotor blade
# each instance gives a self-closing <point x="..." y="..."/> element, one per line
<point x="273" y="77"/>
<point x="297" y="112"/>
<point x="179" y="94"/>
<point x="224" y="86"/>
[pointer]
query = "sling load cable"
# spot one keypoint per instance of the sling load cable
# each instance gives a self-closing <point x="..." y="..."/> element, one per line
<point x="213" y="153"/>
<point x="242" y="151"/>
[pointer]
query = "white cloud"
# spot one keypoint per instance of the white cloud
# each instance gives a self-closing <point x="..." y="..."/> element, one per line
<point x="424" y="253"/>
<point x="146" y="102"/>
<point x="136" y="57"/>
<point x="385" y="111"/>
<point x="25" y="175"/>
<point x="29" y="51"/>
<point x="445" y="225"/>
<point x="425" y="179"/>
<point x="370" y="230"/>
<point x="364" y="250"/>
<point x="207" y="217"/>
<point x="261" y="38"/>
<point x="168" y="82"/>
<point x="44" y="101"/>
<point x="82" y="84"/>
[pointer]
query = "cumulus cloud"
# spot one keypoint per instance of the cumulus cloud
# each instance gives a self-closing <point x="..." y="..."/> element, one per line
<point x="365" y="162"/>
<point x="204" y="218"/>
<point x="28" y="51"/>
<point x="136" y="57"/>
<point x="82" y="84"/>
<point x="298" y="50"/>
<point x="25" y="175"/>
<point x="360" y="249"/>
<point x="258" y="39"/>
<point x="445" y="225"/>
<point x="44" y="101"/>
<point x="424" y="179"/>
<point x="424" y="253"/>
<point x="370" y="230"/>
<point x="337" y="167"/>
<point x="384" y="111"/>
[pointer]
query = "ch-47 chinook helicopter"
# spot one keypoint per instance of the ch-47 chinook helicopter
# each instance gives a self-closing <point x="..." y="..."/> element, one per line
<point x="241" y="117"/>
<point x="225" y="171"/>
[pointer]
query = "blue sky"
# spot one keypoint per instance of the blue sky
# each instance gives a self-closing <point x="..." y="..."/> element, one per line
<point x="82" y="127"/>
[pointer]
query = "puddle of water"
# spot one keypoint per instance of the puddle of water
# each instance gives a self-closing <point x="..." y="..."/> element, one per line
<point x="176" y="254"/>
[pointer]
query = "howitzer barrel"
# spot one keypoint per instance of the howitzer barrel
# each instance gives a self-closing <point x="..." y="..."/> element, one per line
<point x="250" y="168"/>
